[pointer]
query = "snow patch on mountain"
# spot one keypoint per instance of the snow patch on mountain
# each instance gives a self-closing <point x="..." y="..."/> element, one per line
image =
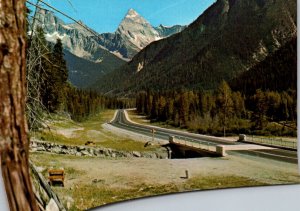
<point x="136" y="31"/>
<point x="66" y="27"/>
<point x="132" y="14"/>
<point x="54" y="36"/>
<point x="132" y="35"/>
<point x="75" y="38"/>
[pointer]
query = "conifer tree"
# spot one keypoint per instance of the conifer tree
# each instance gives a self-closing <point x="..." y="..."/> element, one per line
<point x="260" y="109"/>
<point x="224" y="104"/>
<point x="60" y="62"/>
<point x="55" y="84"/>
<point x="162" y="108"/>
<point x="183" y="108"/>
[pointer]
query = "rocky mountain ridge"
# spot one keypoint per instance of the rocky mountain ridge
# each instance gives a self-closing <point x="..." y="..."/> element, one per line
<point x="91" y="55"/>
<point x="229" y="38"/>
<point x="132" y="35"/>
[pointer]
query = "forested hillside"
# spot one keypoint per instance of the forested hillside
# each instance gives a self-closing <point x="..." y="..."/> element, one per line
<point x="229" y="38"/>
<point x="278" y="72"/>
<point x="83" y="72"/>
<point x="262" y="101"/>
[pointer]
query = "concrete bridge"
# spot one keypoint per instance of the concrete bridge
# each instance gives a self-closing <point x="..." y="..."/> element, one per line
<point x="182" y="148"/>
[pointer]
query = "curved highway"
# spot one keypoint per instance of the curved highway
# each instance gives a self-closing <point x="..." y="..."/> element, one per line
<point x="122" y="122"/>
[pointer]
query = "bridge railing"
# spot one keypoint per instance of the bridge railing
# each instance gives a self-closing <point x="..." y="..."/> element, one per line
<point x="200" y="144"/>
<point x="276" y="142"/>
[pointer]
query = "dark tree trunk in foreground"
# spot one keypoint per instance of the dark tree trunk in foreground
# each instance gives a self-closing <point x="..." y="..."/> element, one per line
<point x="13" y="127"/>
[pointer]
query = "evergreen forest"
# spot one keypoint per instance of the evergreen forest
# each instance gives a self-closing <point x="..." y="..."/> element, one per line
<point x="223" y="112"/>
<point x="48" y="88"/>
<point x="261" y="101"/>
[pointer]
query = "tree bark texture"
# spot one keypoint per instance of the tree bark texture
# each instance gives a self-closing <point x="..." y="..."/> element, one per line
<point x="14" y="144"/>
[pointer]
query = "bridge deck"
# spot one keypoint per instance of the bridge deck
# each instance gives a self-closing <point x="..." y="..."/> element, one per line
<point x="213" y="148"/>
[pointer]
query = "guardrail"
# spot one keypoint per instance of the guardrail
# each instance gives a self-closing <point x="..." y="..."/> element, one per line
<point x="276" y="142"/>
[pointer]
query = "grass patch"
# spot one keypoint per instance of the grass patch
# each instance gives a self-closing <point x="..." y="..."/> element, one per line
<point x="53" y="161"/>
<point x="91" y="195"/>
<point x="216" y="182"/>
<point x="134" y="116"/>
<point x="115" y="188"/>
<point x="127" y="145"/>
<point x="52" y="136"/>
<point x="109" y="141"/>
<point x="66" y="131"/>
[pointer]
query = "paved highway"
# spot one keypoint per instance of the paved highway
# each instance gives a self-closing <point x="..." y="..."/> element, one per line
<point x="122" y="122"/>
<point x="162" y="133"/>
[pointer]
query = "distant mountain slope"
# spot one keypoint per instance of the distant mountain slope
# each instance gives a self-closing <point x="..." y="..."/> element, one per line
<point x="278" y="72"/>
<point x="76" y="39"/>
<point x="86" y="59"/>
<point x="110" y="49"/>
<point x="133" y="34"/>
<point x="83" y="73"/>
<point x="166" y="31"/>
<point x="229" y="38"/>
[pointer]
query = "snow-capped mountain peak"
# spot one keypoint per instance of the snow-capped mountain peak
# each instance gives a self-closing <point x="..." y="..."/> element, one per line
<point x="132" y="35"/>
<point x="133" y="18"/>
<point x="132" y="14"/>
<point x="75" y="38"/>
<point x="136" y="31"/>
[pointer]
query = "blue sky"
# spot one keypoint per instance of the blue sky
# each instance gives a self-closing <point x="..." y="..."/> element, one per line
<point x="105" y="15"/>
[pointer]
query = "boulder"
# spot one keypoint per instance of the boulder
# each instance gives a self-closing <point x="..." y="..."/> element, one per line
<point x="242" y="137"/>
<point x="40" y="148"/>
<point x="80" y="148"/>
<point x="91" y="151"/>
<point x="72" y="152"/>
<point x="78" y="154"/>
<point x="136" y="154"/>
<point x="85" y="153"/>
<point x="153" y="155"/>
<point x="33" y="144"/>
<point x="106" y="152"/>
<point x="56" y="149"/>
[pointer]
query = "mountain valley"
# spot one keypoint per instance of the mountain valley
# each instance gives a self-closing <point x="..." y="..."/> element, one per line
<point x="228" y="39"/>
<point x="91" y="55"/>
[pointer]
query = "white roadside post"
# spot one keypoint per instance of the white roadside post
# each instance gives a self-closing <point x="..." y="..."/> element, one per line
<point x="153" y="131"/>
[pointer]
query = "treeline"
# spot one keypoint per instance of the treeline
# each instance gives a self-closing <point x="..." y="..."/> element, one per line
<point x="222" y="112"/>
<point x="48" y="87"/>
<point x="81" y="103"/>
